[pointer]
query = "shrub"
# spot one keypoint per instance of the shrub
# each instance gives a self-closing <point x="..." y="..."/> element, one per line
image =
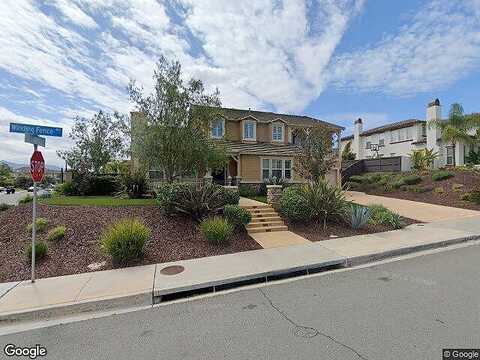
<point x="40" y="250"/>
<point x="442" y="175"/>
<point x="294" y="206"/>
<point x="26" y="199"/>
<point x="134" y="184"/>
<point x="380" y="215"/>
<point x="473" y="196"/>
<point x="125" y="240"/>
<point x="57" y="233"/>
<point x="419" y="189"/>
<point x="357" y="179"/>
<point x="40" y="225"/>
<point x="65" y="189"/>
<point x="439" y="190"/>
<point x="196" y="201"/>
<point x="359" y="216"/>
<point x="398" y="184"/>
<point x="423" y="159"/>
<point x="247" y="190"/>
<point x="216" y="230"/>
<point x="23" y="181"/>
<point x="457" y="187"/>
<point x="412" y="179"/>
<point x="4" y="207"/>
<point x="236" y="215"/>
<point x="94" y="185"/>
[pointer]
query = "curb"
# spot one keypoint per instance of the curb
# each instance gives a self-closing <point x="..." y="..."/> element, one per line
<point x="153" y="297"/>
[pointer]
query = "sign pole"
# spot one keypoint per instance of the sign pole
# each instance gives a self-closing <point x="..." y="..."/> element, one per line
<point x="34" y="230"/>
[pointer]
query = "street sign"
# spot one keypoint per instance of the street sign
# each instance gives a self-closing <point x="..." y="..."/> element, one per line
<point x="37" y="166"/>
<point x="35" y="140"/>
<point x="35" y="129"/>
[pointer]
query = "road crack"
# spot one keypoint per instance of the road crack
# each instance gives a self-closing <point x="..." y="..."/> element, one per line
<point x="306" y="331"/>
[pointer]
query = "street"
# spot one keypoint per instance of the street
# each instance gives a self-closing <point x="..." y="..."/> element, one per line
<point x="408" y="309"/>
<point x="12" y="199"/>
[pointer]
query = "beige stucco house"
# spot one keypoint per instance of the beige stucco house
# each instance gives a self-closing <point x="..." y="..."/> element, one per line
<point x="261" y="145"/>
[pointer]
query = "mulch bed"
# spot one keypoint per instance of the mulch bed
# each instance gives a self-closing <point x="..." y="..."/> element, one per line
<point x="316" y="232"/>
<point x="468" y="179"/>
<point x="173" y="238"/>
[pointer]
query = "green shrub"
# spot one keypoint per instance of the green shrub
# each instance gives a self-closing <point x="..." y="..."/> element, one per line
<point x="26" y="199"/>
<point x="247" y="190"/>
<point x="65" y="189"/>
<point x="380" y="215"/>
<point x="23" y="181"/>
<point x="439" y="190"/>
<point x="412" y="179"/>
<point x="457" y="187"/>
<point x="57" y="233"/>
<point x="398" y="184"/>
<point x="294" y="206"/>
<point x="196" y="201"/>
<point x="134" y="184"/>
<point x="419" y="189"/>
<point x="236" y="215"/>
<point x="352" y="186"/>
<point x="216" y="230"/>
<point x="357" y="179"/>
<point x="472" y="196"/>
<point x="40" y="250"/>
<point x="4" y="207"/>
<point x="125" y="240"/>
<point x="359" y="216"/>
<point x="40" y="225"/>
<point x="442" y="175"/>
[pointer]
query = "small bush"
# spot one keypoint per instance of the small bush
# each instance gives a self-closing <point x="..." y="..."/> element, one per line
<point x="359" y="216"/>
<point x="216" y="230"/>
<point x="442" y="175"/>
<point x="125" y="240"/>
<point x="247" y="190"/>
<point x="419" y="189"/>
<point x="380" y="215"/>
<point x="236" y="215"/>
<point x="4" y="207"/>
<point x="457" y="187"/>
<point x="412" y="179"/>
<point x="357" y="179"/>
<point x="398" y="184"/>
<point x="439" y="190"/>
<point x="57" y="233"/>
<point x="472" y="196"/>
<point x="26" y="199"/>
<point x="294" y="206"/>
<point x="40" y="250"/>
<point x="134" y="184"/>
<point x="40" y="225"/>
<point x="65" y="189"/>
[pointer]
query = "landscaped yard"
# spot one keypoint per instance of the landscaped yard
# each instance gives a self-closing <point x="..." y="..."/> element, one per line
<point x="457" y="188"/>
<point x="95" y="201"/>
<point x="172" y="238"/>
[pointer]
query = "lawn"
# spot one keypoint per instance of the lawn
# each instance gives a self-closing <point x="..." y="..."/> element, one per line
<point x="94" y="201"/>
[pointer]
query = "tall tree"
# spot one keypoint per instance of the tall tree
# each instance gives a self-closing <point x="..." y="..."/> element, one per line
<point x="458" y="127"/>
<point x="316" y="156"/>
<point x="347" y="153"/>
<point x="97" y="141"/>
<point x="172" y="131"/>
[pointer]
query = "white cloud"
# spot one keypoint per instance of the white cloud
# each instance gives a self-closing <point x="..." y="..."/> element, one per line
<point x="71" y="12"/>
<point x="370" y="120"/>
<point x="438" y="46"/>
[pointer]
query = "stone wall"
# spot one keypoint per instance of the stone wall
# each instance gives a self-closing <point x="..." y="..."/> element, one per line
<point x="274" y="192"/>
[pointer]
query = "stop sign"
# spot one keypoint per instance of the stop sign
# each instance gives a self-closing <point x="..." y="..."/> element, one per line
<point x="37" y="166"/>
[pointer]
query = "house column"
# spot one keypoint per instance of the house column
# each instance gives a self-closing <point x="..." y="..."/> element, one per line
<point x="459" y="154"/>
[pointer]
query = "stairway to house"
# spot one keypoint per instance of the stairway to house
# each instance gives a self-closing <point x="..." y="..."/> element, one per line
<point x="264" y="219"/>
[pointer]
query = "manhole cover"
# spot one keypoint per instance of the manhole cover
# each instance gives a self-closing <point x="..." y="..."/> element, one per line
<point x="172" y="270"/>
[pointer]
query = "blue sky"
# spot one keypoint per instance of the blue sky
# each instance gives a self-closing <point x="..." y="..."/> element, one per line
<point x="332" y="59"/>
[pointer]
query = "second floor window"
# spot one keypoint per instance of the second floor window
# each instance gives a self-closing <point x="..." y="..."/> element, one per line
<point x="218" y="128"/>
<point x="277" y="132"/>
<point x="381" y="142"/>
<point x="369" y="145"/>
<point x="249" y="130"/>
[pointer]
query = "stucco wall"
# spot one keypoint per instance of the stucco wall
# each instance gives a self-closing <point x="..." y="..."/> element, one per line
<point x="250" y="168"/>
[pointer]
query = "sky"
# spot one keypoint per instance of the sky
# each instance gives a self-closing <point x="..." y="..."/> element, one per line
<point x="336" y="60"/>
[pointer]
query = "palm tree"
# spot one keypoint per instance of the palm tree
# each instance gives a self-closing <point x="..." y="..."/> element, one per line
<point x="458" y="127"/>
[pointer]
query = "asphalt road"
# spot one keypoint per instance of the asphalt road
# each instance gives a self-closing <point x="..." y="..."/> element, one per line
<point x="12" y="199"/>
<point x="409" y="309"/>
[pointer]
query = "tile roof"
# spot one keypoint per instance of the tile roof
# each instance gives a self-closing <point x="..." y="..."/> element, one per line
<point x="392" y="126"/>
<point x="265" y="116"/>
<point x="259" y="148"/>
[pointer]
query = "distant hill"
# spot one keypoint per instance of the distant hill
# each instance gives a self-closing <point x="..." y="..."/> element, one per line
<point x="15" y="166"/>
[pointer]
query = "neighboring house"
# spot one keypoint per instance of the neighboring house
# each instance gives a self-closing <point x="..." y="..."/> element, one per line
<point x="261" y="145"/>
<point x="400" y="138"/>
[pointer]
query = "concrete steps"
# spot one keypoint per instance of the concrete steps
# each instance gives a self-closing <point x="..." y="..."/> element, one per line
<point x="264" y="219"/>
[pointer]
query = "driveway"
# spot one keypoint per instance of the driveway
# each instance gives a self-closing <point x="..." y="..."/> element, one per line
<point x="412" y="209"/>
<point x="12" y="199"/>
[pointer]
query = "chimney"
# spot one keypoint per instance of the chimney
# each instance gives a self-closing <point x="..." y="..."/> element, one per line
<point x="357" y="147"/>
<point x="434" y="112"/>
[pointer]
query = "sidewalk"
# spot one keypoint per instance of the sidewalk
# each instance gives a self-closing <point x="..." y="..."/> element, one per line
<point x="147" y="285"/>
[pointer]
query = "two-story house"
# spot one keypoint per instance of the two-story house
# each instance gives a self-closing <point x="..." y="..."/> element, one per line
<point x="261" y="145"/>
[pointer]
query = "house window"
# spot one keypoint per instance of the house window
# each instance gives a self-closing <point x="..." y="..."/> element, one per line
<point x="369" y="145"/>
<point x="277" y="132"/>
<point x="408" y="133"/>
<point x="424" y="130"/>
<point x="249" y="130"/>
<point x="450" y="155"/>
<point x="401" y="134"/>
<point x="381" y="142"/>
<point x="218" y="128"/>
<point x="393" y="136"/>
<point x="279" y="168"/>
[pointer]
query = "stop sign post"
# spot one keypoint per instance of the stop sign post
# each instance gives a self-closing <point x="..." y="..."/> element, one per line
<point x="37" y="170"/>
<point x="37" y="165"/>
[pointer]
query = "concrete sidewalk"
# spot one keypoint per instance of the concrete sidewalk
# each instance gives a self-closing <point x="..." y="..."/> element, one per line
<point x="412" y="209"/>
<point x="146" y="285"/>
